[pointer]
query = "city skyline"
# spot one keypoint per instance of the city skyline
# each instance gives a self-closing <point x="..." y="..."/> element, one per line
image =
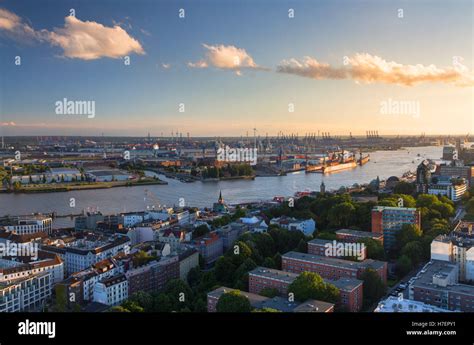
<point x="235" y="67"/>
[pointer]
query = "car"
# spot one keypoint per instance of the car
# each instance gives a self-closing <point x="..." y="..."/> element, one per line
<point x="402" y="286"/>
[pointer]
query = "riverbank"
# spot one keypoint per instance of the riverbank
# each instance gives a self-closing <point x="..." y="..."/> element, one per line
<point x="66" y="187"/>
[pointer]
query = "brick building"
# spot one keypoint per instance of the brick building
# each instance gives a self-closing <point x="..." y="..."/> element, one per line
<point x="331" y="268"/>
<point x="350" y="289"/>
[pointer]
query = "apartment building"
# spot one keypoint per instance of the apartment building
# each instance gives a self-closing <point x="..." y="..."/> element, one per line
<point x="331" y="268"/>
<point x="389" y="220"/>
<point x="351" y="292"/>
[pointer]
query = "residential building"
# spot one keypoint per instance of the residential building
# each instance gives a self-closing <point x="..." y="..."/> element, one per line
<point x="448" y="187"/>
<point x="29" y="293"/>
<point x="24" y="225"/>
<point x="456" y="248"/>
<point x="88" y="249"/>
<point x="390" y="220"/>
<point x="331" y="268"/>
<point x="277" y="303"/>
<point x="306" y="226"/>
<point x="438" y="284"/>
<point x="351" y="292"/>
<point x="111" y="291"/>
<point x="350" y="235"/>
<point x="210" y="246"/>
<point x="400" y="305"/>
<point x="337" y="249"/>
<point x="151" y="276"/>
<point x="17" y="267"/>
<point x="458" y="171"/>
<point x="188" y="259"/>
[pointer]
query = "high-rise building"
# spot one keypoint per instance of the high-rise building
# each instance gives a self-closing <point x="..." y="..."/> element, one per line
<point x="389" y="220"/>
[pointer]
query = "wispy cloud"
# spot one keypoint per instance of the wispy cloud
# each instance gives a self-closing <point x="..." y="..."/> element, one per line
<point x="367" y="68"/>
<point x="7" y="124"/>
<point x="226" y="57"/>
<point x="86" y="40"/>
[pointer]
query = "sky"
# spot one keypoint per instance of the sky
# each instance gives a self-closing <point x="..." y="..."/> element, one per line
<point x="229" y="66"/>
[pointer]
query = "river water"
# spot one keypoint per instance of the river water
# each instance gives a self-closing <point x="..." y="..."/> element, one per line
<point x="382" y="163"/>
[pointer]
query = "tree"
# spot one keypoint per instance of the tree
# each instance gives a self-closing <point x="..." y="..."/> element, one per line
<point x="233" y="302"/>
<point x="470" y="206"/>
<point x="269" y="292"/>
<point x="310" y="285"/>
<point x="340" y="214"/>
<point x="224" y="269"/>
<point x="414" y="251"/>
<point x="408" y="233"/>
<point x="200" y="231"/>
<point x="375" y="249"/>
<point x="302" y="246"/>
<point x="142" y="299"/>
<point x="119" y="309"/>
<point x="404" y="187"/>
<point x="179" y="293"/>
<point x="133" y="307"/>
<point x="374" y="288"/>
<point x="404" y="265"/>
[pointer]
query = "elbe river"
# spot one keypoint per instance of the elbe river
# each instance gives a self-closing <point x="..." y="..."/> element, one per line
<point x="202" y="194"/>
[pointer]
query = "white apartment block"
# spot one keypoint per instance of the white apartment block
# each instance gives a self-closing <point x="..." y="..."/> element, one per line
<point x="455" y="249"/>
<point x="26" y="294"/>
<point x="29" y="225"/>
<point x="82" y="253"/>
<point x="111" y="291"/>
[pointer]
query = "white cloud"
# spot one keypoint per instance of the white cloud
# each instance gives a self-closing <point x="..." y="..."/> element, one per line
<point x="15" y="26"/>
<point x="367" y="68"/>
<point x="226" y="57"/>
<point x="198" y="64"/>
<point x="91" y="40"/>
<point x="86" y="40"/>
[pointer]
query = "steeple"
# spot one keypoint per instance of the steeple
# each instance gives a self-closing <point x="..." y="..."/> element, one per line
<point x="221" y="200"/>
<point x="322" y="188"/>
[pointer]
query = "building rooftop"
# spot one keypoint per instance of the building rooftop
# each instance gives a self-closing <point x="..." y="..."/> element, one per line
<point x="359" y="233"/>
<point x="440" y="270"/>
<point x="274" y="274"/>
<point x="345" y="284"/>
<point x="395" y="305"/>
<point x="369" y="263"/>
<point x="391" y="208"/>
<point x="320" y="241"/>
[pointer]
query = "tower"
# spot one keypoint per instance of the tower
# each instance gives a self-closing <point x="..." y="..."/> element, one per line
<point x="322" y="188"/>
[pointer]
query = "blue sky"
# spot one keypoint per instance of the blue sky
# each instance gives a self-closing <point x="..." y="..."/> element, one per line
<point x="144" y="97"/>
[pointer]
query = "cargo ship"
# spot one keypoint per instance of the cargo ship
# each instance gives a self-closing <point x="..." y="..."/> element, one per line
<point x="364" y="160"/>
<point x="339" y="162"/>
<point x="313" y="168"/>
<point x="338" y="167"/>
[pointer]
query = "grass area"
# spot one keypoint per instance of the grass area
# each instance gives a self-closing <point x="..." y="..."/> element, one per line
<point x="68" y="186"/>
